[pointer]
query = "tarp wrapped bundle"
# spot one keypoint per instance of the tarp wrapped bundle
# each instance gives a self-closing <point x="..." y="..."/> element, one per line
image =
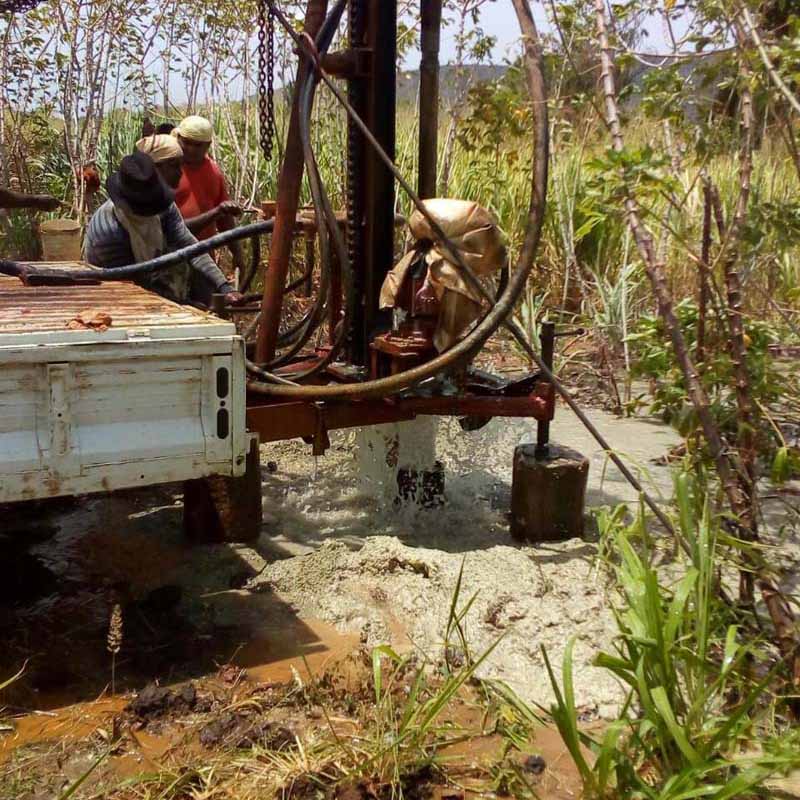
<point x="476" y="235"/>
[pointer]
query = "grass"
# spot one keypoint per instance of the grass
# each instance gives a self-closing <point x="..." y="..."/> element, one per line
<point x="703" y="715"/>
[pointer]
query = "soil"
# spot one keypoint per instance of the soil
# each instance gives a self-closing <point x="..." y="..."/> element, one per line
<point x="338" y="569"/>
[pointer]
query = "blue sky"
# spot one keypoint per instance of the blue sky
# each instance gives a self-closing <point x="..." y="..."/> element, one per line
<point x="500" y="21"/>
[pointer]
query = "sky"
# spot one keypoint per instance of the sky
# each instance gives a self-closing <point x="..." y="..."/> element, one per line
<point x="499" y="21"/>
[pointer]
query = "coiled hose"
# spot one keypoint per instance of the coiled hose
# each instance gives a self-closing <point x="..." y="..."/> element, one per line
<point x="466" y="349"/>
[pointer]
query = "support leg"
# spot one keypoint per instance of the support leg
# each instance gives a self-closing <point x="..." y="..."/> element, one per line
<point x="221" y="509"/>
<point x="548" y="344"/>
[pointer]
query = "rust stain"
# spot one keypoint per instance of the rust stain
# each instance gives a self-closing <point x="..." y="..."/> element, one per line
<point x="50" y="308"/>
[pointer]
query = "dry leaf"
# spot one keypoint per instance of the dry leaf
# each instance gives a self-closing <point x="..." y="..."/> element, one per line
<point x="91" y="320"/>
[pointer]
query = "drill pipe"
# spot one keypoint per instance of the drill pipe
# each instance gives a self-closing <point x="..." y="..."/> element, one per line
<point x="286" y="210"/>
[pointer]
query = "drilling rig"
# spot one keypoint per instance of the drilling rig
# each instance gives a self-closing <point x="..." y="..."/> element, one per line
<point x="374" y="369"/>
<point x="384" y="360"/>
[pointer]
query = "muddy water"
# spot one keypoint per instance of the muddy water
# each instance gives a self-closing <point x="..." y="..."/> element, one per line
<point x="67" y="725"/>
<point x="554" y="776"/>
<point x="189" y="610"/>
<point x="271" y="657"/>
<point x="184" y="617"/>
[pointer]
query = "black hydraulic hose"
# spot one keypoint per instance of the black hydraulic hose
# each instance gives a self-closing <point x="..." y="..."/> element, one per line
<point x="325" y="216"/>
<point x="145" y="267"/>
<point x="497" y="316"/>
<point x="255" y="261"/>
<point x="254" y="369"/>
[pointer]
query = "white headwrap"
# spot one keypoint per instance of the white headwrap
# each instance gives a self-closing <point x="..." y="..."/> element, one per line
<point x="160" y="147"/>
<point x="198" y="129"/>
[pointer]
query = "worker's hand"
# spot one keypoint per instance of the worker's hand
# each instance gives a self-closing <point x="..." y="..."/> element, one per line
<point x="43" y="202"/>
<point x="229" y="209"/>
<point x="234" y="298"/>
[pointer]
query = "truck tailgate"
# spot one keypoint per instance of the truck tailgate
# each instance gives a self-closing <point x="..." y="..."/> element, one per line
<point x="157" y="397"/>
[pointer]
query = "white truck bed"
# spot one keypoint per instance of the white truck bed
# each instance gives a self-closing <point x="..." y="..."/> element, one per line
<point x="157" y="397"/>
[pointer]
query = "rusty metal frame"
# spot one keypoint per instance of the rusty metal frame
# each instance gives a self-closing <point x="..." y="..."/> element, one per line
<point x="278" y="421"/>
<point x="369" y="66"/>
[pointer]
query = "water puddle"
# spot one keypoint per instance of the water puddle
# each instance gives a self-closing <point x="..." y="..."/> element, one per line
<point x="308" y="648"/>
<point x="66" y="726"/>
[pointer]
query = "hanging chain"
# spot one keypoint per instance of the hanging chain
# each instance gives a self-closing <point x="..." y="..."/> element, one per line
<point x="266" y="78"/>
<point x="17" y="6"/>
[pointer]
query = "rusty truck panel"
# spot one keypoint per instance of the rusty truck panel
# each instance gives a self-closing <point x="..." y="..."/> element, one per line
<point x="153" y="394"/>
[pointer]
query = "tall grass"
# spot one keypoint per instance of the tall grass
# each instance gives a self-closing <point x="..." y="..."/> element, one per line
<point x="585" y="262"/>
<point x="700" y="719"/>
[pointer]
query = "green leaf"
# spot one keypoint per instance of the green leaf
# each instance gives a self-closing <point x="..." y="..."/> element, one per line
<point x="732" y="647"/>
<point x="661" y="701"/>
<point x="677" y="607"/>
<point x="377" y="673"/>
<point x="781" y="466"/>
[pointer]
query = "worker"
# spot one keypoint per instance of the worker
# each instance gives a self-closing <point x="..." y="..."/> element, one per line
<point x="38" y="202"/>
<point x="202" y="195"/>
<point x="141" y="221"/>
<point x="167" y="155"/>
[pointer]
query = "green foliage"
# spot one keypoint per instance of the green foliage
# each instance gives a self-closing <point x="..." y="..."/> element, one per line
<point x="655" y="360"/>
<point x="699" y="717"/>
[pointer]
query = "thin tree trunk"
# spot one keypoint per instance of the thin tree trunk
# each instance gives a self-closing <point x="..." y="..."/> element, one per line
<point x="705" y="257"/>
<point x="732" y="476"/>
<point x="655" y="272"/>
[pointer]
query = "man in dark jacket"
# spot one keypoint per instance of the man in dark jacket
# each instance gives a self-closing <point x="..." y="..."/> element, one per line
<point x="141" y="222"/>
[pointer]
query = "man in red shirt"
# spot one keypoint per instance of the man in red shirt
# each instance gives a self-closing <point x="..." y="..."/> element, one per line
<point x="202" y="196"/>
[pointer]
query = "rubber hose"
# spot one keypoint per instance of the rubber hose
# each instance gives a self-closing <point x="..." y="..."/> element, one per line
<point x="504" y="307"/>
<point x="255" y="261"/>
<point x="324" y="214"/>
<point x="166" y="261"/>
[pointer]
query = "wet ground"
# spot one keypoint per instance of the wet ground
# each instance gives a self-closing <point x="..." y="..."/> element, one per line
<point x="337" y="567"/>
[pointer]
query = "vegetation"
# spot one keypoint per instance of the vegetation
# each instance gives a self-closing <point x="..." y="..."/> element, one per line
<point x="700" y="718"/>
<point x="672" y="233"/>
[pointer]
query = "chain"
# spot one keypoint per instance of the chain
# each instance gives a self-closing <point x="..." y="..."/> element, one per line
<point x="17" y="6"/>
<point x="266" y="78"/>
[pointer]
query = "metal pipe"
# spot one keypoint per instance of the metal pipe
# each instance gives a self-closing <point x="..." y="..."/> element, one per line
<point x="431" y="13"/>
<point x="548" y="340"/>
<point x="288" y="199"/>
